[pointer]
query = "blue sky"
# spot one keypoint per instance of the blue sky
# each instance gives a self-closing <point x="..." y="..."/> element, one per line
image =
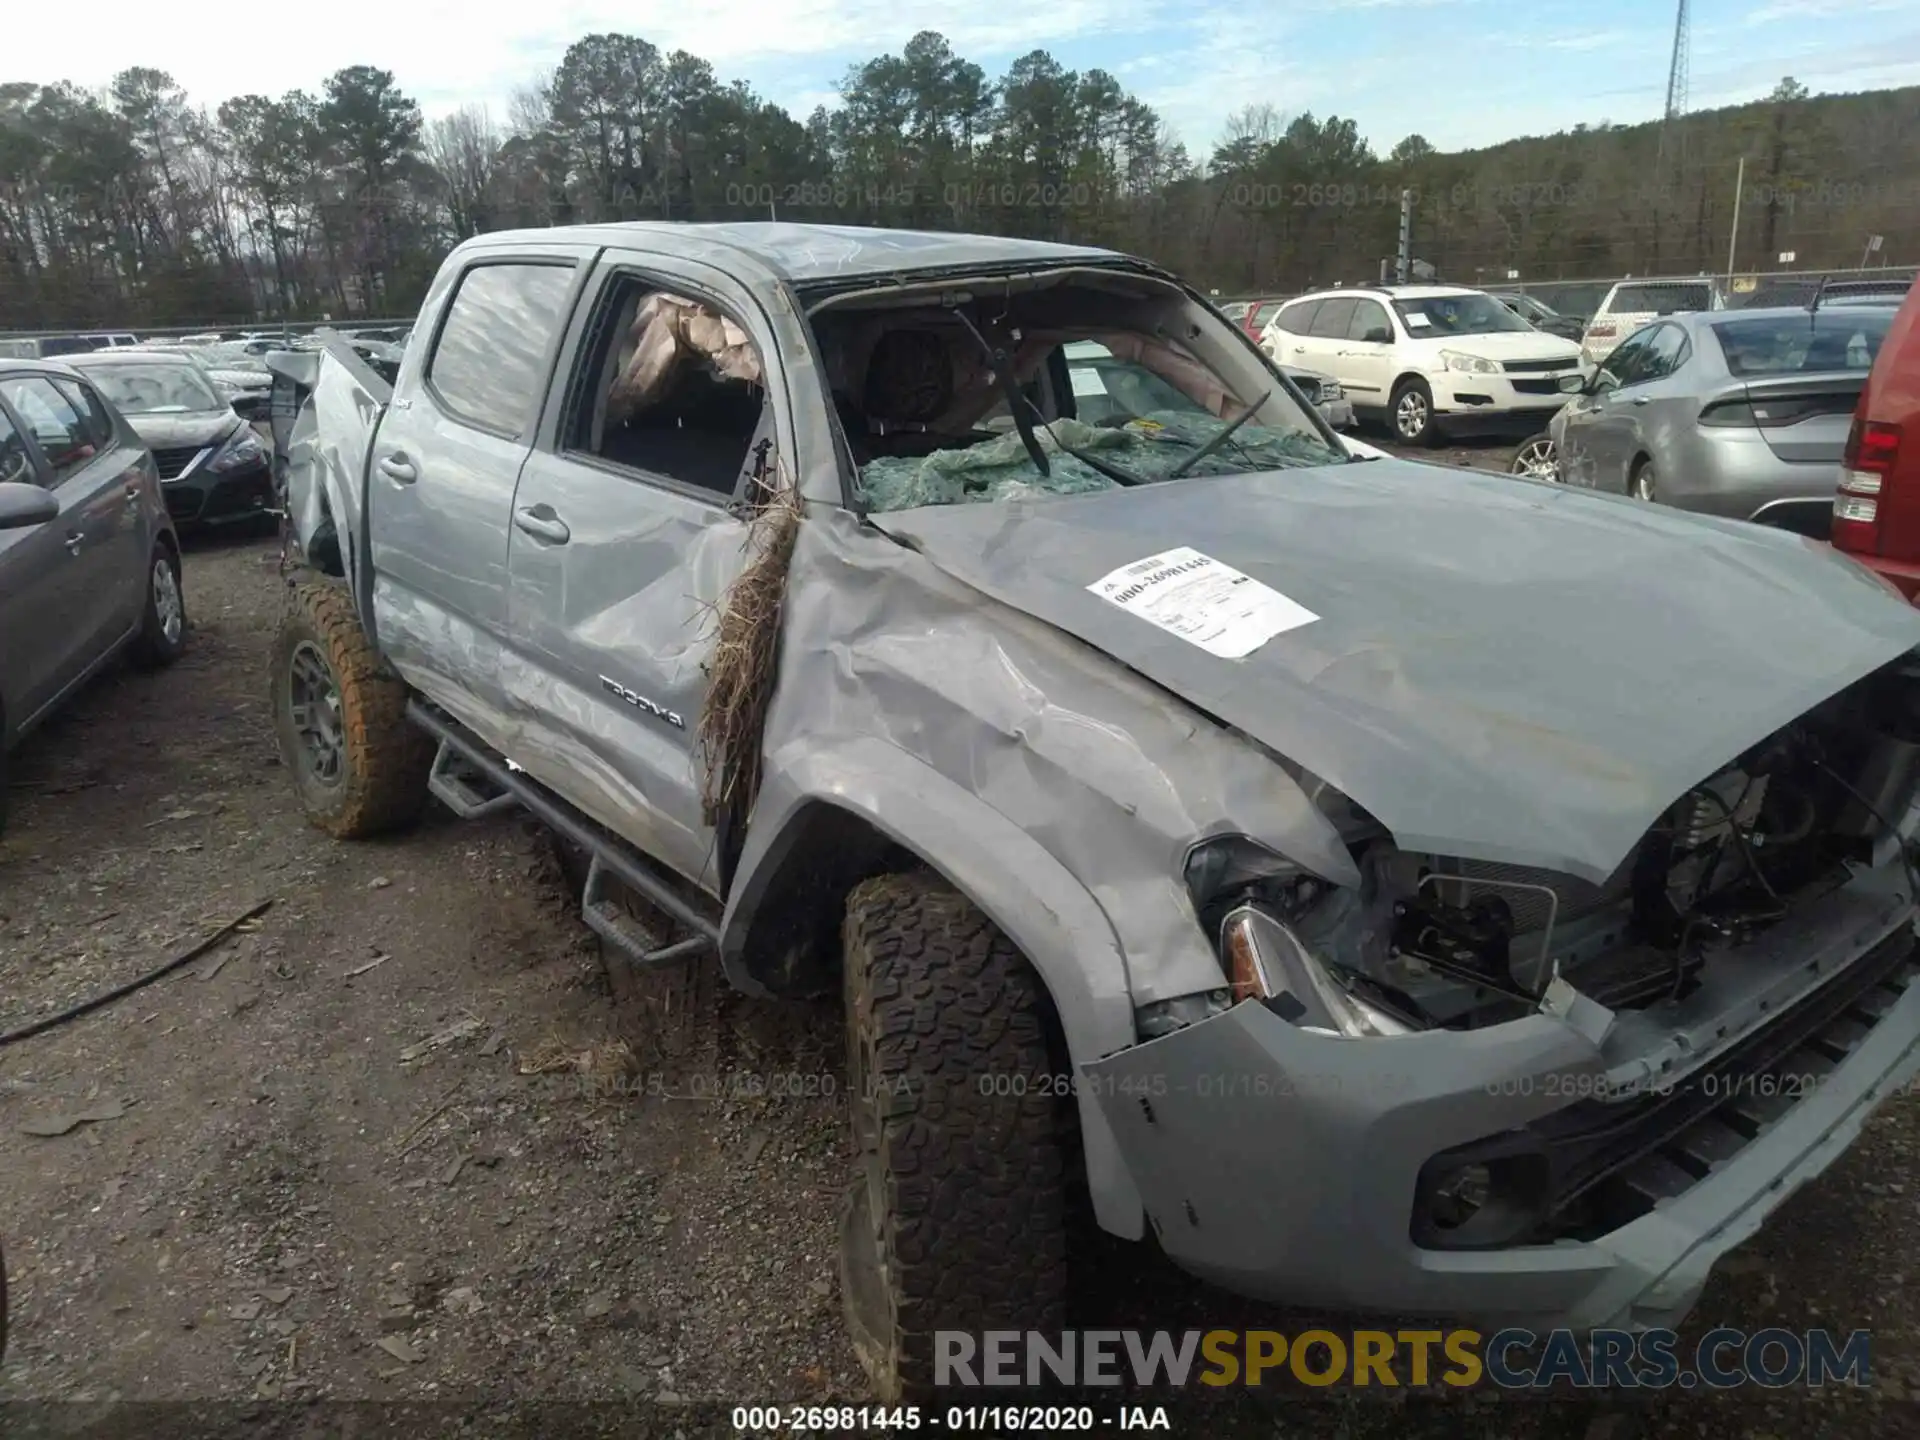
<point x="1461" y="72"/>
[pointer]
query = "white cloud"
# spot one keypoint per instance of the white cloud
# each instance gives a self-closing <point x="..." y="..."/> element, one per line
<point x="1804" y="10"/>
<point x="446" y="54"/>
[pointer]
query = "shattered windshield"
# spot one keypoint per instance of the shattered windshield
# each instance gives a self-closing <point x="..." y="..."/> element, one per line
<point x="932" y="423"/>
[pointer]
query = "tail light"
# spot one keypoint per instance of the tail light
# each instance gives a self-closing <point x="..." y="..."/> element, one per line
<point x="1600" y="332"/>
<point x="1872" y="448"/>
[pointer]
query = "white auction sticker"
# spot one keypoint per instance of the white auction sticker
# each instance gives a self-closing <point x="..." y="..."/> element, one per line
<point x="1203" y="601"/>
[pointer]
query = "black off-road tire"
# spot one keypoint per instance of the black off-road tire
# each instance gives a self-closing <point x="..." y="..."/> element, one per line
<point x="163" y="638"/>
<point x="957" y="1218"/>
<point x="380" y="783"/>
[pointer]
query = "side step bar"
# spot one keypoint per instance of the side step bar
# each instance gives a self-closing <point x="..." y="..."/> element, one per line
<point x="452" y="782"/>
<point x="611" y="858"/>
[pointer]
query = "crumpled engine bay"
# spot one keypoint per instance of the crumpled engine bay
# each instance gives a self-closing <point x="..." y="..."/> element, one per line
<point x="1428" y="941"/>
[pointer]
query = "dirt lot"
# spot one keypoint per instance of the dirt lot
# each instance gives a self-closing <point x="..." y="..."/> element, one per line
<point x="372" y="1148"/>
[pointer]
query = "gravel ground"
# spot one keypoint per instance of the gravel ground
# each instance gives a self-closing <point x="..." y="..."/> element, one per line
<point x="396" y="1141"/>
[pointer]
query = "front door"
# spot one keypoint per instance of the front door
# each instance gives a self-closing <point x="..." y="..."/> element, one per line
<point x="627" y="531"/>
<point x="1591" y="435"/>
<point x="445" y="461"/>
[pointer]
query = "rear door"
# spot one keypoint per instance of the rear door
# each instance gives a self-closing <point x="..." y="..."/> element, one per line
<point x="444" y="465"/>
<point x="624" y="541"/>
<point x="1319" y="349"/>
<point x="1285" y="337"/>
<point x="1368" y="354"/>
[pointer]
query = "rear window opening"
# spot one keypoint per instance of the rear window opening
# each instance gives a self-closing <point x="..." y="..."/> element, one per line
<point x="1115" y="381"/>
<point x="1820" y="342"/>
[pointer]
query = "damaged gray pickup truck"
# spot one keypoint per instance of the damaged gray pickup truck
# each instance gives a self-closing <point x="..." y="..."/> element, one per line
<point x="1398" y="888"/>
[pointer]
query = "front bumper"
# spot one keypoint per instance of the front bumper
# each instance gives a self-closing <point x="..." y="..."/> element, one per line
<point x="202" y="497"/>
<point x="1284" y="1165"/>
<point x="1520" y="401"/>
<point x="1337" y="413"/>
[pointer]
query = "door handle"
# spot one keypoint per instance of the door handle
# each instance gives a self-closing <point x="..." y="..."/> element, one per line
<point x="133" y="492"/>
<point x="1299" y="349"/>
<point x="74" y="537"/>
<point x="548" y="526"/>
<point x="1641" y="399"/>
<point x="398" y="468"/>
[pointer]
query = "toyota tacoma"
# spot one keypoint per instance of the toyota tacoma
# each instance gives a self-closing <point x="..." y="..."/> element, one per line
<point x="1385" y="886"/>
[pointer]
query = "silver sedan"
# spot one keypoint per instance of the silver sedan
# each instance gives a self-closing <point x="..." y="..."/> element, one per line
<point x="1740" y="413"/>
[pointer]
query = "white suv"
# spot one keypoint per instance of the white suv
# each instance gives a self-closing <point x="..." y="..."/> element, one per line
<point x="1428" y="358"/>
<point x="1633" y="303"/>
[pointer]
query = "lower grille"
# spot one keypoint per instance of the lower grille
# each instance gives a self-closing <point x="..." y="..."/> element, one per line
<point x="1536" y="387"/>
<point x="173" y="461"/>
<point x="1632" y="1154"/>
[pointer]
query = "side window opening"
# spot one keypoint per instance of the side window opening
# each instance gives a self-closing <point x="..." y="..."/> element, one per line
<point x="673" y="387"/>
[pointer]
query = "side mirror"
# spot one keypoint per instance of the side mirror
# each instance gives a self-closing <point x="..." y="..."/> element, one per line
<point x="22" y="506"/>
<point x="1575" y="384"/>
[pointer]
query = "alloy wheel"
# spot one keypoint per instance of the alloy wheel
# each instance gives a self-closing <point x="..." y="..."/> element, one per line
<point x="167" y="606"/>
<point x="1643" y="484"/>
<point x="315" y="707"/>
<point x="1410" y="415"/>
<point x="1538" y="459"/>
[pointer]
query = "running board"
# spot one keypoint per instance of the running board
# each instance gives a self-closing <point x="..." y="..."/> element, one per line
<point x="612" y="924"/>
<point x="612" y="858"/>
<point x="452" y="781"/>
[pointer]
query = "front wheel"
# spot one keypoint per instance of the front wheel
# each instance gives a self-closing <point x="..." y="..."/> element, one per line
<point x="360" y="765"/>
<point x="957" y="1215"/>
<point x="1413" y="413"/>
<point x="1537" y="459"/>
<point x="1645" y="485"/>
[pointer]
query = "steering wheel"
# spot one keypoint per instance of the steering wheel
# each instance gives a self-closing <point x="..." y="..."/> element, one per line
<point x="14" y="466"/>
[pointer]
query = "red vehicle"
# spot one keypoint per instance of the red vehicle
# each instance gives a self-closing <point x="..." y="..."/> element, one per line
<point x="1252" y="314"/>
<point x="1876" y="514"/>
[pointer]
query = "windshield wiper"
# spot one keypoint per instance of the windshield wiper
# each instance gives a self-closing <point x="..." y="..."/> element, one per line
<point x="1018" y="405"/>
<point x="1218" y="440"/>
<point x="1002" y="364"/>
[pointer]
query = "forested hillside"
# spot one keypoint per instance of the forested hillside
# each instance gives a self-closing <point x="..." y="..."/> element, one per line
<point x="140" y="206"/>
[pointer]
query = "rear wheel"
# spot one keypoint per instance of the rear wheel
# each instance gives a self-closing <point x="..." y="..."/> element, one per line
<point x="957" y="1215"/>
<point x="163" y="621"/>
<point x="359" y="764"/>
<point x="1644" y="484"/>
<point x="1413" y="412"/>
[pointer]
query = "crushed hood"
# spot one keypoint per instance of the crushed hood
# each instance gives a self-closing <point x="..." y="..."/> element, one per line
<point x="1496" y="669"/>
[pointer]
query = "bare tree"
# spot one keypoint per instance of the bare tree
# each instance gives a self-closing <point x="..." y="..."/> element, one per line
<point x="463" y="150"/>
